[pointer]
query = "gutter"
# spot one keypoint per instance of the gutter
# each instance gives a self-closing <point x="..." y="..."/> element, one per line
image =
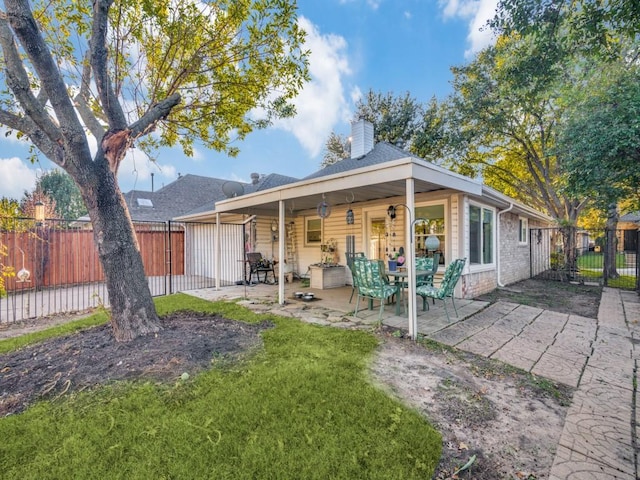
<point x="511" y="205"/>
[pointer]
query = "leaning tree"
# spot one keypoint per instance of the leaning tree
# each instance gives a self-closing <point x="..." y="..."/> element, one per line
<point x="148" y="74"/>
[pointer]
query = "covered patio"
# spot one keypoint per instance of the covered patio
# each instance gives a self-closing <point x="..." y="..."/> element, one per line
<point x="332" y="307"/>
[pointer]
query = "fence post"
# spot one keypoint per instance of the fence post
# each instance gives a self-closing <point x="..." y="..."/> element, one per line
<point x="637" y="260"/>
<point x="169" y="253"/>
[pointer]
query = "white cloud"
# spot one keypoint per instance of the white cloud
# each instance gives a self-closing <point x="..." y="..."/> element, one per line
<point x="16" y="178"/>
<point x="136" y="169"/>
<point x="321" y="103"/>
<point x="477" y="13"/>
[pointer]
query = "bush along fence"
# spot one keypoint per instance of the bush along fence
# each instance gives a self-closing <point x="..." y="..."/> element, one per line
<point x="53" y="267"/>
<point x="603" y="257"/>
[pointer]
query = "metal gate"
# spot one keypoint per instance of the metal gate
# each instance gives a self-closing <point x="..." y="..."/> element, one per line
<point x="603" y="257"/>
<point x="56" y="268"/>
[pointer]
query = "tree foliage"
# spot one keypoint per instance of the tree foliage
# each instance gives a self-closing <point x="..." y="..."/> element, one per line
<point x="59" y="186"/>
<point x="591" y="27"/>
<point x="337" y="147"/>
<point x="395" y="119"/>
<point x="145" y="73"/>
<point x="502" y="120"/>
<point x="600" y="135"/>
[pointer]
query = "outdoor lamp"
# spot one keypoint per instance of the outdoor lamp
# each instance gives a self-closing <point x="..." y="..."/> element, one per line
<point x="350" y="217"/>
<point x="39" y="212"/>
<point x="391" y="211"/>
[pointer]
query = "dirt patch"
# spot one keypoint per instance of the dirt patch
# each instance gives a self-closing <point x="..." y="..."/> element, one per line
<point x="562" y="297"/>
<point x="188" y="343"/>
<point x="502" y="421"/>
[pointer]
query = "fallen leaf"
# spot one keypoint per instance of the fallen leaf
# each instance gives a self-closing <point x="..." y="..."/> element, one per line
<point x="463" y="446"/>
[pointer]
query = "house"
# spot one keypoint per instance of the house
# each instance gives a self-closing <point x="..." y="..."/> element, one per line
<point x="434" y="209"/>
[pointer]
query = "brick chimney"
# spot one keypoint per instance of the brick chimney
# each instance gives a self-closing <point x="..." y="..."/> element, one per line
<point x="361" y="138"/>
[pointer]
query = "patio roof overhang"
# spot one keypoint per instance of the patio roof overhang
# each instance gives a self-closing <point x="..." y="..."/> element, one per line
<point x="374" y="182"/>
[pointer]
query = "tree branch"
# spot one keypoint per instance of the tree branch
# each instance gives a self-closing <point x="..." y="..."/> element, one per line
<point x="49" y="148"/>
<point x="26" y="30"/>
<point x="99" y="61"/>
<point x="18" y="81"/>
<point x="158" y="112"/>
<point x="82" y="100"/>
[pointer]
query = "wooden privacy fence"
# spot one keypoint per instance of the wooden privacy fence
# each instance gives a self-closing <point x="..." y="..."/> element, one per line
<point x="62" y="253"/>
<point x="57" y="267"/>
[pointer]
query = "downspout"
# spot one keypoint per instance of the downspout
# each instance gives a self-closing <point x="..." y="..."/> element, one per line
<point x="511" y="205"/>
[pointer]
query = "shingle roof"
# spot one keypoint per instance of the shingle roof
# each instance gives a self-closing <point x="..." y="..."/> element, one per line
<point x="270" y="181"/>
<point x="177" y="198"/>
<point x="633" y="217"/>
<point x="382" y="152"/>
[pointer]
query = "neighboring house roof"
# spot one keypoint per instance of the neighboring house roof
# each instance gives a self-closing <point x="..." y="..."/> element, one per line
<point x="631" y="217"/>
<point x="382" y="152"/>
<point x="191" y="195"/>
<point x="186" y="194"/>
<point x="266" y="182"/>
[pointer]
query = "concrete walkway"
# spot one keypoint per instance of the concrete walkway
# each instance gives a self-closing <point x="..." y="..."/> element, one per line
<point x="598" y="356"/>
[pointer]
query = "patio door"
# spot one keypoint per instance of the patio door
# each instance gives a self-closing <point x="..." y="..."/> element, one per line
<point x="376" y="238"/>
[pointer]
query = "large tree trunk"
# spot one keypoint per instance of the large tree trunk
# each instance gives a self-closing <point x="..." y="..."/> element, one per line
<point x="133" y="312"/>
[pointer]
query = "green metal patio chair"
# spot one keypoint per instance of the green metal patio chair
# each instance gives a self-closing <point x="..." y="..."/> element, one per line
<point x="449" y="280"/>
<point x="373" y="284"/>
<point x="354" y="278"/>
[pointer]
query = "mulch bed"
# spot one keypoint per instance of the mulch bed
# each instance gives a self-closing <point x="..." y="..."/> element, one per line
<point x="187" y="343"/>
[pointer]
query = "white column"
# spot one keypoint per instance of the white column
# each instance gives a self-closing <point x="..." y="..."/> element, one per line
<point x="216" y="252"/>
<point x="411" y="261"/>
<point x="281" y="244"/>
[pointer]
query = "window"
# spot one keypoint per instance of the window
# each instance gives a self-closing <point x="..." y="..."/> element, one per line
<point x="431" y="236"/>
<point x="313" y="231"/>
<point x="481" y="226"/>
<point x="523" y="233"/>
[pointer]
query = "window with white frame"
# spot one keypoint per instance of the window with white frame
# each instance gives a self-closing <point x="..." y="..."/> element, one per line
<point x="481" y="235"/>
<point x="523" y="230"/>
<point x="312" y="231"/>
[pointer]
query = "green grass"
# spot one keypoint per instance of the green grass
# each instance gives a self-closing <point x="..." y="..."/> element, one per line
<point x="302" y="408"/>
<point x="596" y="260"/>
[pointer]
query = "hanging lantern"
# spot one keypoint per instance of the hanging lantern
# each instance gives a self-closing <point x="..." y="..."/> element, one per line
<point x="350" y="217"/>
<point x="324" y="209"/>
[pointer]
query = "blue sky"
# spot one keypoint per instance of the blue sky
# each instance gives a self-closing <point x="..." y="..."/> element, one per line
<point x="386" y="45"/>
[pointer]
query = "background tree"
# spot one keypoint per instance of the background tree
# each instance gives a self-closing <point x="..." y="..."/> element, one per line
<point x="9" y="213"/>
<point x="600" y="140"/>
<point x="593" y="27"/>
<point x="395" y="120"/>
<point x="502" y="120"/>
<point x="59" y="186"/>
<point x="336" y="148"/>
<point x="118" y="70"/>
<point x="28" y="204"/>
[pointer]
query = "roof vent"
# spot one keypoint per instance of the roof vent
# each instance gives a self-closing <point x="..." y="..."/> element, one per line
<point x="255" y="178"/>
<point x="361" y="138"/>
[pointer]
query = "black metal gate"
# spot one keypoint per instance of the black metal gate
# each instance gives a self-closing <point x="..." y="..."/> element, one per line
<point x="56" y="268"/>
<point x="602" y="257"/>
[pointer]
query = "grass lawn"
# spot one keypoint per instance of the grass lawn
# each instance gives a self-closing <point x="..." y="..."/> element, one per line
<point x="301" y="408"/>
<point x="596" y="260"/>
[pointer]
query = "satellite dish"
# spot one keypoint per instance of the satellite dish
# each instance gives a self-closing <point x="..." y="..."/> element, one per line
<point x="232" y="189"/>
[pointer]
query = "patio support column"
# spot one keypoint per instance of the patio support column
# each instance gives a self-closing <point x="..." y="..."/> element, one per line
<point x="216" y="252"/>
<point x="410" y="259"/>
<point x="281" y="257"/>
